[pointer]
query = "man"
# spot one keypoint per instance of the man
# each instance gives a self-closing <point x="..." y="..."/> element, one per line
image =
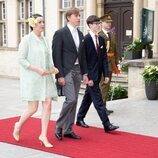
<point x="68" y="57"/>
<point x="110" y="42"/>
<point x="96" y="65"/>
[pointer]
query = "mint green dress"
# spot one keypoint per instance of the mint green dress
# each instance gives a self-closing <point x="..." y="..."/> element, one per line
<point x="35" y="51"/>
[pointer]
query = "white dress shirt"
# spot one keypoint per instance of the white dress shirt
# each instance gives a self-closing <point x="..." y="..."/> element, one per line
<point x="76" y="39"/>
<point x="94" y="38"/>
<point x="106" y="32"/>
<point x="74" y="34"/>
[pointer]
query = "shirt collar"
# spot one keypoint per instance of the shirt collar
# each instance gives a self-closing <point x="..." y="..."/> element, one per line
<point x="92" y="33"/>
<point x="71" y="28"/>
<point x="105" y="31"/>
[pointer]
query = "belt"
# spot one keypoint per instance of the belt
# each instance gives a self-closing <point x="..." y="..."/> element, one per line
<point x="116" y="71"/>
<point x="110" y="54"/>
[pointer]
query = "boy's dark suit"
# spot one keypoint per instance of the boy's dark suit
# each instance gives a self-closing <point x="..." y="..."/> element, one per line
<point x="96" y="65"/>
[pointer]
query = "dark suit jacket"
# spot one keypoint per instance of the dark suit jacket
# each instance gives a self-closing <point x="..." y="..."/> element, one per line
<point x="65" y="53"/>
<point x="96" y="63"/>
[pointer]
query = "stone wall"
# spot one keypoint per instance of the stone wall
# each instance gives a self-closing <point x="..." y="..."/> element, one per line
<point x="136" y="87"/>
<point x="9" y="63"/>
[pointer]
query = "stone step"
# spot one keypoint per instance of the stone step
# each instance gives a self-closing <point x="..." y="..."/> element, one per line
<point x="121" y="79"/>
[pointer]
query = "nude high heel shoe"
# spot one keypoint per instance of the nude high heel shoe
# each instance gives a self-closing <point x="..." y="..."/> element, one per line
<point x="16" y="132"/>
<point x="45" y="142"/>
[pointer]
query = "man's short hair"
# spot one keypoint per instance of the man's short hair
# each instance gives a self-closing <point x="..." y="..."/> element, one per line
<point x="106" y="18"/>
<point x="71" y="11"/>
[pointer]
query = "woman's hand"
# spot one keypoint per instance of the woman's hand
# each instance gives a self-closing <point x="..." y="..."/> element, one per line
<point x="54" y="70"/>
<point x="40" y="71"/>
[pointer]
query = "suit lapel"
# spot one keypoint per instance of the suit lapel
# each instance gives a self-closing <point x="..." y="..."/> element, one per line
<point x="91" y="40"/>
<point x="80" y="36"/>
<point x="81" y="39"/>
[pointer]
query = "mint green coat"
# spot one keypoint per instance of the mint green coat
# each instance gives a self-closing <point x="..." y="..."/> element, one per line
<point x="35" y="51"/>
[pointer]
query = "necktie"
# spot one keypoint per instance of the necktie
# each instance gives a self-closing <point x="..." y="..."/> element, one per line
<point x="109" y="43"/>
<point x="97" y="45"/>
<point x="108" y="33"/>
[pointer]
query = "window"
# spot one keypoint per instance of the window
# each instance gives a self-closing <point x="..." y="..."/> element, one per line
<point x="65" y="3"/>
<point x="3" y="31"/>
<point x="22" y="30"/>
<point x="21" y="9"/>
<point x="79" y="3"/>
<point x="25" y="10"/>
<point x="3" y="11"/>
<point x="30" y="9"/>
<point x="81" y="27"/>
<point x="4" y="36"/>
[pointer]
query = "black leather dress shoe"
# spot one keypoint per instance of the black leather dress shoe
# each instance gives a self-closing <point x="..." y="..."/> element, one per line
<point x="59" y="136"/>
<point x="82" y="124"/>
<point x="72" y="135"/>
<point x="108" y="111"/>
<point x="110" y="127"/>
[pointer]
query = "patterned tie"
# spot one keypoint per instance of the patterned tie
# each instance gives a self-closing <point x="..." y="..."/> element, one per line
<point x="97" y="45"/>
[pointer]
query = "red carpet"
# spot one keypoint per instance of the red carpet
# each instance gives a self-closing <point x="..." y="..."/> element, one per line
<point x="94" y="143"/>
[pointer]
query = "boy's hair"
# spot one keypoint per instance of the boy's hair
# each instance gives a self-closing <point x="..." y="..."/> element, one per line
<point x="71" y="11"/>
<point x="91" y="19"/>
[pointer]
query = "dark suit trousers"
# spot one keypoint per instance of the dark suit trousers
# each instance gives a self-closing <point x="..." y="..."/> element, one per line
<point x="93" y="94"/>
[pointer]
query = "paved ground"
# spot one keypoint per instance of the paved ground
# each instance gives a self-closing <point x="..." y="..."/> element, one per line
<point x="132" y="115"/>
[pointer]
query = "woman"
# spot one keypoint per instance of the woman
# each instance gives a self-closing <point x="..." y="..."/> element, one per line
<point x="37" y="82"/>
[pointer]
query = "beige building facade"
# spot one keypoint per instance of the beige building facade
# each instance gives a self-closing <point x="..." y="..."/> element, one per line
<point x="13" y="23"/>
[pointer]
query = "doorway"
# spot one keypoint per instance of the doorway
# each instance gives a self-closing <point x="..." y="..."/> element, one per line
<point x="122" y="15"/>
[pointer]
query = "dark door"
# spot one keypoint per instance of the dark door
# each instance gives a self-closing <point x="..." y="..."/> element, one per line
<point x="122" y="15"/>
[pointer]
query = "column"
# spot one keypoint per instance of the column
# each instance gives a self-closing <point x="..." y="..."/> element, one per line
<point x="138" y="5"/>
<point x="11" y="14"/>
<point x="91" y="7"/>
<point x="100" y="8"/>
<point x="52" y="19"/>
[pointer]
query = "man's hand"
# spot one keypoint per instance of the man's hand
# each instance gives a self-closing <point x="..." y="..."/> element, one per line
<point x="85" y="79"/>
<point x="106" y="80"/>
<point x="61" y="81"/>
<point x="90" y="83"/>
